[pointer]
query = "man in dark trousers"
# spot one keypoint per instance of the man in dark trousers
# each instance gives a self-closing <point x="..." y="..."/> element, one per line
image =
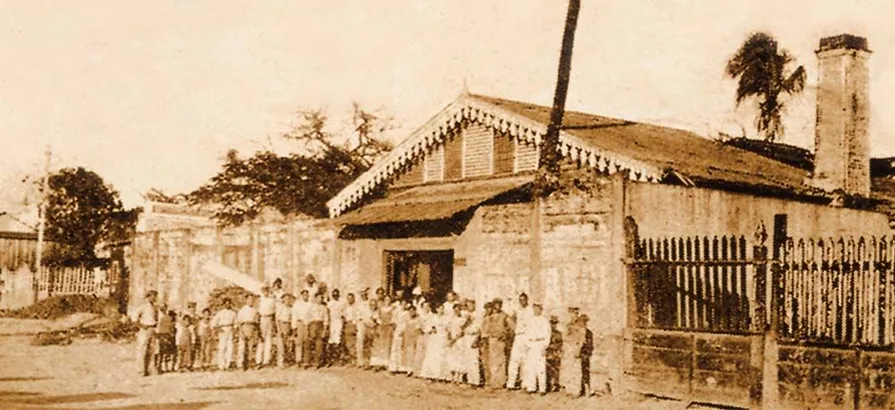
<point x="318" y="322"/>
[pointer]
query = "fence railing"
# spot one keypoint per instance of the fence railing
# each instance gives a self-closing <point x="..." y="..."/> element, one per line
<point x="695" y="283"/>
<point x="834" y="291"/>
<point x="71" y="281"/>
<point x="838" y="290"/>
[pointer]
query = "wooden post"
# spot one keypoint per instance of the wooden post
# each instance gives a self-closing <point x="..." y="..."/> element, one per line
<point x="770" y="385"/>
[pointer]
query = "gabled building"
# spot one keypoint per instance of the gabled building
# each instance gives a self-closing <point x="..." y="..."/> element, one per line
<point x="450" y="208"/>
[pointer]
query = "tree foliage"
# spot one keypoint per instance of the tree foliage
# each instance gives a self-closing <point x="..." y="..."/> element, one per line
<point x="299" y="183"/>
<point x="83" y="211"/>
<point x="761" y="70"/>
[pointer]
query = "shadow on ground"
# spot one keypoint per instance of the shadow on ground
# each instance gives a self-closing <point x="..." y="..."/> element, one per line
<point x="271" y="385"/>
<point x="38" y="400"/>
<point x="23" y="379"/>
<point x="159" y="406"/>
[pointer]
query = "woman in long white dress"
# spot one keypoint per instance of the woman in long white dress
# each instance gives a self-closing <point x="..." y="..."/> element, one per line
<point x="433" y="361"/>
<point x="383" y="340"/>
<point x="470" y="344"/>
<point x="456" y="351"/>
<point x="422" y="340"/>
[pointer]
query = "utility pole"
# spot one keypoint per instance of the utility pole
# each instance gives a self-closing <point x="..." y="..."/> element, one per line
<point x="41" y="213"/>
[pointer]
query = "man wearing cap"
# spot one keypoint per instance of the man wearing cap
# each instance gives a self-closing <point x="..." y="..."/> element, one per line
<point x="520" y="316"/>
<point x="538" y="331"/>
<point x="267" y="308"/>
<point x="300" y="328"/>
<point x="222" y="322"/>
<point x="283" y="316"/>
<point x="146" y="317"/>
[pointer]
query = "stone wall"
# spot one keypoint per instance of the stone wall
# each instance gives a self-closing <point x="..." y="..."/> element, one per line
<point x="171" y="261"/>
<point x="672" y="211"/>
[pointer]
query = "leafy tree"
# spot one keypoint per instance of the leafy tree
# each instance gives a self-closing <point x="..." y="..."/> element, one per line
<point x="299" y="183"/>
<point x="761" y="70"/>
<point x="83" y="211"/>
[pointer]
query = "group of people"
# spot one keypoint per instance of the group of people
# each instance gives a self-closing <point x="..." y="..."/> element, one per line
<point x="495" y="346"/>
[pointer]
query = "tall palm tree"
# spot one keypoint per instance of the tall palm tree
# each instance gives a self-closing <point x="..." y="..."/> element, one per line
<point x="548" y="165"/>
<point x="761" y="69"/>
<point x="547" y="178"/>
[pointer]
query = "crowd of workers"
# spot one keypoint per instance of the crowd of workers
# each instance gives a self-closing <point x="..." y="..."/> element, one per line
<point x="499" y="346"/>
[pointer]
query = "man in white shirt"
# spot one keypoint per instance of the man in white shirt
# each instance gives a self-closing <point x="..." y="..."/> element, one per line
<point x="520" y="317"/>
<point x="146" y="317"/>
<point x="283" y="318"/>
<point x="248" y="321"/>
<point x="311" y="285"/>
<point x="267" y="306"/>
<point x="336" y="309"/>
<point x="222" y="322"/>
<point x="538" y="331"/>
<point x="300" y="328"/>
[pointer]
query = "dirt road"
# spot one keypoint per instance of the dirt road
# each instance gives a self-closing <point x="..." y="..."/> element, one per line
<point x="89" y="374"/>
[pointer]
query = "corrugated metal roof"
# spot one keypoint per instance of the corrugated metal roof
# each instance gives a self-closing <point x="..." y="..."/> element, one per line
<point x="668" y="148"/>
<point x="432" y="202"/>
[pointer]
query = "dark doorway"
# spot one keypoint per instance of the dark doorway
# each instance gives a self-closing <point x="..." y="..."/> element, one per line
<point x="432" y="271"/>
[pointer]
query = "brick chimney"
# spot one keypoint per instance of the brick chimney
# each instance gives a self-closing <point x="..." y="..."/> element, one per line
<point x="842" y="141"/>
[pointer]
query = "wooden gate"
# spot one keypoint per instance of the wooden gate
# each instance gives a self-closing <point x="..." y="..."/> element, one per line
<point x="699" y="318"/>
<point x="719" y="320"/>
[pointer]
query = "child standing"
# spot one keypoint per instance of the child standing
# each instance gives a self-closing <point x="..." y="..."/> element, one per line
<point x="184" y="340"/>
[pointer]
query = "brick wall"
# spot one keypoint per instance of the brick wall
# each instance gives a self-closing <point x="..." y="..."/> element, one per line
<point x="494" y="252"/>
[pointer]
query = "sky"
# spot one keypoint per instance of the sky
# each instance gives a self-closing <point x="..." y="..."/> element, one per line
<point x="151" y="94"/>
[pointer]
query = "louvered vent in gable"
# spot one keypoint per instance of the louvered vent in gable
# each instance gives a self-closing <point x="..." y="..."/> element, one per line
<point x="478" y="151"/>
<point x="526" y="156"/>
<point x="504" y="155"/>
<point x="434" y="165"/>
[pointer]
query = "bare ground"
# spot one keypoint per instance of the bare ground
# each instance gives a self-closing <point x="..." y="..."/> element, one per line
<point x="89" y="374"/>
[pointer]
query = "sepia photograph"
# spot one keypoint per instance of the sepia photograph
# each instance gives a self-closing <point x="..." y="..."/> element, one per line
<point x="447" y="204"/>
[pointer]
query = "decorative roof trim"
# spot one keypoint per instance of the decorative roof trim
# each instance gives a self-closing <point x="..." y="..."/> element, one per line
<point x="467" y="108"/>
